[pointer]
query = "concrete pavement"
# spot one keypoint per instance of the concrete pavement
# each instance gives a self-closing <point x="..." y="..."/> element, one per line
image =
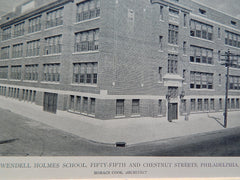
<point x="130" y="130"/>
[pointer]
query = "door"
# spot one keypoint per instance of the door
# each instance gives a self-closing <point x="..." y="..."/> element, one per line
<point x="172" y="111"/>
<point x="50" y="102"/>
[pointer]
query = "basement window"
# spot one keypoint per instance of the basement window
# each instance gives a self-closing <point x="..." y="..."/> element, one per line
<point x="202" y="11"/>
<point x="233" y="23"/>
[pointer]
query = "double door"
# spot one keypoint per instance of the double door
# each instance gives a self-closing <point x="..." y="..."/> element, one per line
<point x="50" y="102"/>
<point x="172" y="111"/>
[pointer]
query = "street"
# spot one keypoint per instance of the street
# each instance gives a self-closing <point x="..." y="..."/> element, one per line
<point x="21" y="136"/>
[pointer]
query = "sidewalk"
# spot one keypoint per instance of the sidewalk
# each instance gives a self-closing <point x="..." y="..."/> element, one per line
<point x="131" y="130"/>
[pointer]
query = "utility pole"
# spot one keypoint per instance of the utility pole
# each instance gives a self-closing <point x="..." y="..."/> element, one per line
<point x="227" y="63"/>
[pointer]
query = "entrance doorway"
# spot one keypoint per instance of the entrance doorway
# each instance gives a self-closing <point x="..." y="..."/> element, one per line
<point x="172" y="111"/>
<point x="50" y="102"/>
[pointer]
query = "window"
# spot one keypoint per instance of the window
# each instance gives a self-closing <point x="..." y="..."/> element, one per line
<point x="120" y="107"/>
<point x="202" y="11"/>
<point x="172" y="63"/>
<point x="184" y="47"/>
<point x="219" y="79"/>
<point x="173" y="11"/>
<point x="16" y="72"/>
<point x="219" y="33"/>
<point x="184" y="75"/>
<point x="232" y="39"/>
<point x="3" y="72"/>
<point x="234" y="82"/>
<point x="31" y="72"/>
<point x="78" y="104"/>
<point x="34" y="24"/>
<point x="193" y="102"/>
<point x="173" y="34"/>
<point x="92" y="105"/>
<point x="17" y="50"/>
<point x="237" y="103"/>
<point x="88" y="10"/>
<point x="51" y="72"/>
<point x="85" y="73"/>
<point x="173" y="92"/>
<point x="201" y="30"/>
<point x="54" y="18"/>
<point x="201" y="55"/>
<point x="19" y="29"/>
<point x="85" y="104"/>
<point x="71" y="103"/>
<point x="200" y="105"/>
<point x="200" y="80"/>
<point x="5" y="52"/>
<point x="206" y="106"/>
<point x="33" y="48"/>
<point x="160" y="75"/>
<point x="53" y="45"/>
<point x="212" y="107"/>
<point x="6" y="33"/>
<point x="220" y="104"/>
<point x="184" y="105"/>
<point x="234" y="23"/>
<point x="232" y="103"/>
<point x="135" y="106"/>
<point x="161" y="13"/>
<point x="184" y="20"/>
<point x="159" y="107"/>
<point x="86" y="40"/>
<point x="160" y="42"/>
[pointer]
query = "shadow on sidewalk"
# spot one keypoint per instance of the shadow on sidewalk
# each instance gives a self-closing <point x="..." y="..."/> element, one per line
<point x="218" y="120"/>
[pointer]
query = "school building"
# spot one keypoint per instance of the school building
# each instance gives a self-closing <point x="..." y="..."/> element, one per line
<point x="114" y="59"/>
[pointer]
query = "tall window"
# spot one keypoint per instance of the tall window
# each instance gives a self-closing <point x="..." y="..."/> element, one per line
<point x="206" y="105"/>
<point x="172" y="63"/>
<point x="16" y="72"/>
<point x="184" y="47"/>
<point x="3" y="72"/>
<point x="6" y="33"/>
<point x="119" y="107"/>
<point x="92" y="105"/>
<point x="200" y="105"/>
<point x="184" y="105"/>
<point x="5" y="52"/>
<point x="17" y="50"/>
<point x="184" y="20"/>
<point x="201" y="30"/>
<point x="184" y="75"/>
<point x="53" y="45"/>
<point x="200" y="80"/>
<point x="212" y="106"/>
<point x="201" y="55"/>
<point x="78" y="104"/>
<point x="193" y="105"/>
<point x="31" y="72"/>
<point x="172" y="34"/>
<point x="85" y="73"/>
<point x="161" y="13"/>
<point x="237" y="103"/>
<point x="34" y="24"/>
<point x="220" y="103"/>
<point x="160" y="75"/>
<point x="159" y="107"/>
<point x="219" y="79"/>
<point x="160" y="42"/>
<point x="86" y="40"/>
<point x="88" y="10"/>
<point x="19" y="29"/>
<point x="135" y="106"/>
<point x="232" y="39"/>
<point x="85" y="104"/>
<point x="71" y="103"/>
<point x="33" y="48"/>
<point x="51" y="72"/>
<point x="54" y="18"/>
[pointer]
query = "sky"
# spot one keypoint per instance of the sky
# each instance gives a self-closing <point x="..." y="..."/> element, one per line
<point x="230" y="7"/>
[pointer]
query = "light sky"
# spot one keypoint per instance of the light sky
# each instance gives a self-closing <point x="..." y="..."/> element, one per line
<point x="231" y="7"/>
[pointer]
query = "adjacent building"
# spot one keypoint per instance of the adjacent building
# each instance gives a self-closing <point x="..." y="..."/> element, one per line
<point x="113" y="59"/>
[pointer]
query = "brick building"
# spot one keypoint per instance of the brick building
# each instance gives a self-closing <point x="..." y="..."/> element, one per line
<point x="112" y="59"/>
